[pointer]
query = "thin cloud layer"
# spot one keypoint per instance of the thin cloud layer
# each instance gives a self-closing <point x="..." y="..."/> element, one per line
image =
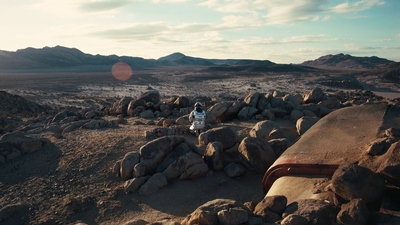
<point x="277" y="30"/>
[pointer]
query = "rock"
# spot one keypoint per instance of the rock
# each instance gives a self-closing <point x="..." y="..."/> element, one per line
<point x="13" y="154"/>
<point x="294" y="220"/>
<point x="12" y="135"/>
<point x="276" y="102"/>
<point x="88" y="115"/>
<point x="233" y="216"/>
<point x="121" y="106"/>
<point x="353" y="213"/>
<point x="153" y="184"/>
<point x="214" y="155"/>
<point x="252" y="99"/>
<point x="180" y="150"/>
<point x="136" y="111"/>
<point x="134" y="184"/>
<point x="117" y="168"/>
<point x="217" y="109"/>
<point x="309" y="113"/>
<point x="225" y="135"/>
<point x="317" y="212"/>
<point x="175" y="169"/>
<point x="234" y="170"/>
<point x="183" y="120"/>
<point x="135" y="222"/>
<point x="194" y="171"/>
<point x="182" y="102"/>
<point x="293" y="99"/>
<point x="59" y="116"/>
<point x="257" y="154"/>
<point x="164" y="113"/>
<point x="351" y="181"/>
<point x="315" y="96"/>
<point x="19" y="213"/>
<point x="304" y="123"/>
<point x="151" y="96"/>
<point x="232" y="111"/>
<point x="148" y="113"/>
<point x="279" y="145"/>
<point x="208" y="212"/>
<point x="377" y="147"/>
<point x="332" y="103"/>
<point x="139" y="170"/>
<point x="390" y="164"/>
<point x="275" y="204"/>
<point x="392" y="132"/>
<point x="247" y="112"/>
<point x="296" y="114"/>
<point x="316" y="109"/>
<point x="168" y="122"/>
<point x="155" y="151"/>
<point x="276" y="133"/>
<point x="127" y="164"/>
<point x="263" y="104"/>
<point x="263" y="129"/>
<point x="268" y="114"/>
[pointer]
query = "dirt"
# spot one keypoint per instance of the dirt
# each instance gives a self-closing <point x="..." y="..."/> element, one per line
<point x="70" y="180"/>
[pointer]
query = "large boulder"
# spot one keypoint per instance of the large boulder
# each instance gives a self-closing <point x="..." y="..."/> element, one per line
<point x="390" y="164"/>
<point x="179" y="166"/>
<point x="155" y="151"/>
<point x="252" y="99"/>
<point x="263" y="129"/>
<point x="232" y="111"/>
<point x="354" y="213"/>
<point x="215" y="212"/>
<point x="127" y="164"/>
<point x="153" y="184"/>
<point x="247" y="112"/>
<point x="121" y="106"/>
<point x="182" y="102"/>
<point x="275" y="204"/>
<point x="317" y="212"/>
<point x="180" y="150"/>
<point x="218" y="109"/>
<point x="304" y="123"/>
<point x="151" y="96"/>
<point x="225" y="135"/>
<point x="257" y="154"/>
<point x="352" y="181"/>
<point x="263" y="104"/>
<point x="314" y="96"/>
<point x="214" y="155"/>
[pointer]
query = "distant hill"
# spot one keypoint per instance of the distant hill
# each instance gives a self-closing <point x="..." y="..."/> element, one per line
<point x="61" y="58"/>
<point x="342" y="61"/>
<point x="181" y="59"/>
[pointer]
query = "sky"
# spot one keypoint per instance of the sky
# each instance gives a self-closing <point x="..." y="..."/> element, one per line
<point x="282" y="31"/>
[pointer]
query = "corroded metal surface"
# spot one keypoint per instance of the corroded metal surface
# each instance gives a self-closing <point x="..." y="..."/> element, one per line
<point x="340" y="137"/>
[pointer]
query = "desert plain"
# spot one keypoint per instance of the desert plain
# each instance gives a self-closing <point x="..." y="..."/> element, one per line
<point x="70" y="181"/>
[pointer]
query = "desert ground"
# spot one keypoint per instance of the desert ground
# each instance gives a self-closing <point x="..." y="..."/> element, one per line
<point x="70" y="181"/>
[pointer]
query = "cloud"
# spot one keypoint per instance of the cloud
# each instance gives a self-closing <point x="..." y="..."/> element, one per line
<point x="104" y="5"/>
<point x="282" y="12"/>
<point x="169" y="1"/>
<point x="356" y="6"/>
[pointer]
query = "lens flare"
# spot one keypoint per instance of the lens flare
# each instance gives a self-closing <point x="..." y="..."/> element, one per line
<point x="121" y="71"/>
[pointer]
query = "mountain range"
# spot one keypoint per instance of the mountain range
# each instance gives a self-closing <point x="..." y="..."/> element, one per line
<point x="63" y="58"/>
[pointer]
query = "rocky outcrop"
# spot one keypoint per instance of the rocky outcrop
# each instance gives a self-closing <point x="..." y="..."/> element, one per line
<point x="16" y="144"/>
<point x="353" y="181"/>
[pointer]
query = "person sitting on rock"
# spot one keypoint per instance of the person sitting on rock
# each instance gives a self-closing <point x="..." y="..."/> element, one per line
<point x="198" y="119"/>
